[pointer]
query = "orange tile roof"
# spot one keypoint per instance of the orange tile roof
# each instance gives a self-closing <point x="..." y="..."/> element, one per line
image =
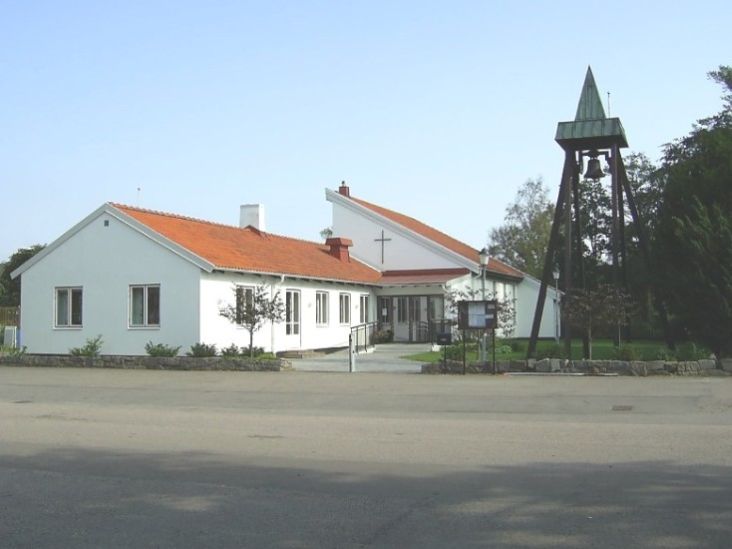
<point x="494" y="265"/>
<point x="233" y="248"/>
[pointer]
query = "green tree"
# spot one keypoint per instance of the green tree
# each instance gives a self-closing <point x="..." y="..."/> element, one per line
<point x="694" y="237"/>
<point x="522" y="239"/>
<point x="253" y="307"/>
<point x="9" y="288"/>
<point x="603" y="307"/>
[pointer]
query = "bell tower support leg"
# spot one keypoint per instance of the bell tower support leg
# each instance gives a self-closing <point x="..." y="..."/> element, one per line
<point x="546" y="274"/>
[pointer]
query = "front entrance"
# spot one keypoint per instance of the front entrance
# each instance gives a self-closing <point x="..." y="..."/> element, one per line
<point x="411" y="318"/>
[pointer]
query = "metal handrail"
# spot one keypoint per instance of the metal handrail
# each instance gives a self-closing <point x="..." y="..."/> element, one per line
<point x="363" y="336"/>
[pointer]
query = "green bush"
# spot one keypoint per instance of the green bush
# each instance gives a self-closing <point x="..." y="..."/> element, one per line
<point x="161" y="349"/>
<point x="554" y="350"/>
<point x="92" y="347"/>
<point x="12" y="351"/>
<point x="517" y="346"/>
<point x="691" y="351"/>
<point x="503" y="350"/>
<point x="232" y="351"/>
<point x="266" y="356"/>
<point x="664" y="353"/>
<point x="202" y="350"/>
<point x="626" y="353"/>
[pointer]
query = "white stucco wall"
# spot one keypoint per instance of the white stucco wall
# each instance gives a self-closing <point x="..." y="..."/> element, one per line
<point x="104" y="261"/>
<point x="217" y="291"/>
<point x="401" y="252"/>
<point x="526" y="297"/>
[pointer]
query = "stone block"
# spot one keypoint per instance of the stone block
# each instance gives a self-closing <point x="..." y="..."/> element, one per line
<point x="726" y="364"/>
<point x="544" y="365"/>
<point x="707" y="364"/>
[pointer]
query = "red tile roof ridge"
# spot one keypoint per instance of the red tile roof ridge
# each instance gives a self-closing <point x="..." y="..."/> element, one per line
<point x="215" y="223"/>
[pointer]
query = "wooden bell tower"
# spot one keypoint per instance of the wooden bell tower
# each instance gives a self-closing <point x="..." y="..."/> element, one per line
<point x="591" y="135"/>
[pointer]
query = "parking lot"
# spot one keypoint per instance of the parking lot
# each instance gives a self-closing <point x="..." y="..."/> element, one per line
<point x="124" y="458"/>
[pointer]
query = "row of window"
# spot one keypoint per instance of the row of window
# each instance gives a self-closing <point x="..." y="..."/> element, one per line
<point x="245" y="297"/>
<point x="344" y="308"/>
<point x="144" y="306"/>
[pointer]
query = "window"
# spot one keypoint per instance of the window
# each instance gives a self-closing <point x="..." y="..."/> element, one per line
<point x="345" y="309"/>
<point x="244" y="301"/>
<point x="68" y="307"/>
<point x="364" y="309"/>
<point x="292" y="312"/>
<point x="321" y="308"/>
<point x="402" y="310"/>
<point x="145" y="305"/>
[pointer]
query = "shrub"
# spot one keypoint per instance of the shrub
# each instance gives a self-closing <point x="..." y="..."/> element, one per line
<point x="664" y="353"/>
<point x="232" y="351"/>
<point x="267" y="356"/>
<point x="161" y="349"/>
<point x="517" y="346"/>
<point x="503" y="350"/>
<point x="555" y="350"/>
<point x="12" y="351"/>
<point x="92" y="347"/>
<point x="691" y="351"/>
<point x="384" y="336"/>
<point x="626" y="353"/>
<point x="202" y="350"/>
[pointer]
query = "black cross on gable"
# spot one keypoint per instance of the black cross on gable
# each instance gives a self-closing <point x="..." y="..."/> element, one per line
<point x="382" y="240"/>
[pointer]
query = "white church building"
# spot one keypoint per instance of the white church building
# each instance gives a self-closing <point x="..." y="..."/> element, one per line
<point x="135" y="276"/>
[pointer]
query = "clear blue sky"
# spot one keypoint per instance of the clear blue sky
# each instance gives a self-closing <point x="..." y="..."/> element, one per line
<point x="440" y="110"/>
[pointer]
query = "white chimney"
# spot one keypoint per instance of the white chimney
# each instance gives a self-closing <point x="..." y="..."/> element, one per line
<point x="252" y="214"/>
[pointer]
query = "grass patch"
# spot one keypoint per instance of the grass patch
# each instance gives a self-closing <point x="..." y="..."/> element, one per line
<point x="602" y="349"/>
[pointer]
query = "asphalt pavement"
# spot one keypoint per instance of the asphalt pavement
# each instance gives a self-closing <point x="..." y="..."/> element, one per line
<point x="125" y="458"/>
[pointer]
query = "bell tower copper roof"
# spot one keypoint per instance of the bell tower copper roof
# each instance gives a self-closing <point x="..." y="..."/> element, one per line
<point x="591" y="129"/>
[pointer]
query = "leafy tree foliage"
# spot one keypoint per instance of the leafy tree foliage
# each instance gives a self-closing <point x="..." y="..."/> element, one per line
<point x="603" y="307"/>
<point x="9" y="288"/>
<point x="522" y="239"/>
<point x="252" y="310"/>
<point x="694" y="240"/>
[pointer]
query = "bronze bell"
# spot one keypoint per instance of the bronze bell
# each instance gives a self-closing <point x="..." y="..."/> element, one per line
<point x="594" y="170"/>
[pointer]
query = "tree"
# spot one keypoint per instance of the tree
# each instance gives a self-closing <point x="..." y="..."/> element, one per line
<point x="603" y="307"/>
<point x="693" y="241"/>
<point x="523" y="238"/>
<point x="9" y="288"/>
<point x="252" y="308"/>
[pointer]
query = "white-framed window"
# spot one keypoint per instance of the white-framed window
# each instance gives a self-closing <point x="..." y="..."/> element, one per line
<point x="145" y="305"/>
<point x="364" y="309"/>
<point x="292" y="312"/>
<point x="344" y="301"/>
<point x="321" y="308"/>
<point x="69" y="305"/>
<point x="244" y="300"/>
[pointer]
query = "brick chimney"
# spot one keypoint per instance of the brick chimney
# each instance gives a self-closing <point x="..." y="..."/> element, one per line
<point x="339" y="248"/>
<point x="344" y="189"/>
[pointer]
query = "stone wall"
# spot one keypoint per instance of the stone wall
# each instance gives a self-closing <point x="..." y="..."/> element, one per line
<point x="588" y="367"/>
<point x="148" y="362"/>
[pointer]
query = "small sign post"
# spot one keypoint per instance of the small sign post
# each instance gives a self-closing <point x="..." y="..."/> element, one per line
<point x="478" y="315"/>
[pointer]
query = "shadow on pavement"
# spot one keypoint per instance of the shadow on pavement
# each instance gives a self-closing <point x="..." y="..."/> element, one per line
<point x="92" y="498"/>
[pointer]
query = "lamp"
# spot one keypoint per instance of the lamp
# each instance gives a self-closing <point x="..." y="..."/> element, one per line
<point x="484" y="257"/>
